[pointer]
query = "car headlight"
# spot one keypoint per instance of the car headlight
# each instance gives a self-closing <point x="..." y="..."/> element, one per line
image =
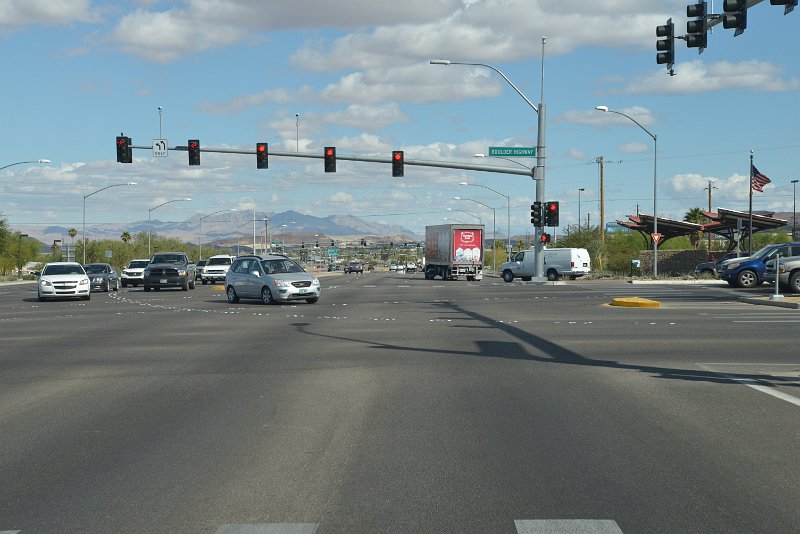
<point x="281" y="283"/>
<point x="98" y="278"/>
<point x="146" y="272"/>
<point x="83" y="281"/>
<point x="182" y="272"/>
<point x="315" y="282"/>
<point x="732" y="265"/>
<point x="45" y="283"/>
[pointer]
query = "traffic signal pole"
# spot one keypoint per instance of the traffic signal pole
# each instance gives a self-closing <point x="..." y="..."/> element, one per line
<point x="368" y="159"/>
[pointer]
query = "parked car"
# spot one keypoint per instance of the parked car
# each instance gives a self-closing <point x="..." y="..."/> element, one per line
<point x="712" y="268"/>
<point x="169" y="269"/>
<point x="133" y="274"/>
<point x="215" y="270"/>
<point x="788" y="272"/>
<point x="270" y="278"/>
<point x="102" y="277"/>
<point x="63" y="279"/>
<point x="199" y="269"/>
<point x="354" y="266"/>
<point x="749" y="271"/>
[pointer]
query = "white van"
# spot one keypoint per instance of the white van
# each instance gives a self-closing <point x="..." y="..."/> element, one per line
<point x="558" y="262"/>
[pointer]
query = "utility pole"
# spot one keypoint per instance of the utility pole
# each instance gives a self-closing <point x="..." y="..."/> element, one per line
<point x="710" y="187"/>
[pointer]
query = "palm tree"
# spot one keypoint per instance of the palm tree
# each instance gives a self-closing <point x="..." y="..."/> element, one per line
<point x="126" y="237"/>
<point x="72" y="233"/>
<point x="695" y="215"/>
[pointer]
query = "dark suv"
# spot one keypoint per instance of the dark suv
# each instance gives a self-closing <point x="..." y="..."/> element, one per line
<point x="169" y="269"/>
<point x="749" y="271"/>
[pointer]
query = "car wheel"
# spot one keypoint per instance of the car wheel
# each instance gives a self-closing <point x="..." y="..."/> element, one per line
<point x="185" y="286"/>
<point x="266" y="296"/>
<point x="312" y="300"/>
<point x="116" y="286"/>
<point x="747" y="279"/>
<point x="794" y="282"/>
<point x="191" y="284"/>
<point x="552" y="275"/>
<point x="41" y="298"/>
<point x="147" y="288"/>
<point x="124" y="284"/>
<point x="508" y="276"/>
<point x="233" y="298"/>
<point x="87" y="297"/>
<point x="205" y="282"/>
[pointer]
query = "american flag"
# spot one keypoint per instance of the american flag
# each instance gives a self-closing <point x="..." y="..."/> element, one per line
<point x="758" y="180"/>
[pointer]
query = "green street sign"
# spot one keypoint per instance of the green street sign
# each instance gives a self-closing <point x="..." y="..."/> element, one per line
<point x="512" y="151"/>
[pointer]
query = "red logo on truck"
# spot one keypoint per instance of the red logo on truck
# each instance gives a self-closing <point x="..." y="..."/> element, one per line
<point x="467" y="245"/>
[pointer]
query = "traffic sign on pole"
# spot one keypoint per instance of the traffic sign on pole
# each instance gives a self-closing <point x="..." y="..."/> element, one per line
<point x="513" y="151"/>
<point x="656" y="238"/>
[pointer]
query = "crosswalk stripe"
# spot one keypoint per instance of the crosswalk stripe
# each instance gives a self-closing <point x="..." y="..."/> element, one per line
<point x="269" y="528"/>
<point x="567" y="526"/>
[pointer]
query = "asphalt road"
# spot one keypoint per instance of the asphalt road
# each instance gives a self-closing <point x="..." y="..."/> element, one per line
<point x="400" y="405"/>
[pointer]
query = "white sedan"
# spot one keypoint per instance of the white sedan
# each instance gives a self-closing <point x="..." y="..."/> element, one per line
<point x="63" y="279"/>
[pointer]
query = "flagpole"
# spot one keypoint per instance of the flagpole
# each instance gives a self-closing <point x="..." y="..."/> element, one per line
<point x="750" y="231"/>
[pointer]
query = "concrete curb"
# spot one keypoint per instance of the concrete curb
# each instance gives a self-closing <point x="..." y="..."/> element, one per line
<point x="765" y="301"/>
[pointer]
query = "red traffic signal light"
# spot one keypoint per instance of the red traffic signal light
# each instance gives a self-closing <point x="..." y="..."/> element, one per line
<point x="397" y="163"/>
<point x="193" y="146"/>
<point x="544" y="238"/>
<point x="330" y="158"/>
<point x="551" y="213"/>
<point x="124" y="152"/>
<point x="262" y="156"/>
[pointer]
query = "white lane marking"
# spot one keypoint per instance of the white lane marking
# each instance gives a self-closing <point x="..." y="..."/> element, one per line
<point x="269" y="528"/>
<point x="767" y="321"/>
<point x="10" y="531"/>
<point x="748" y="382"/>
<point x="567" y="526"/>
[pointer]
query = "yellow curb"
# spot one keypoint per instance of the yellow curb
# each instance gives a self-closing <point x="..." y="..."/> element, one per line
<point x="635" y="302"/>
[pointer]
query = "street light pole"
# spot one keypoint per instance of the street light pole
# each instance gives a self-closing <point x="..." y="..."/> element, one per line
<point x="579" y="208"/>
<point x="655" y="181"/>
<point x="794" y="209"/>
<point x="538" y="172"/>
<point x="494" y="229"/>
<point x="84" y="211"/>
<point x="151" y="211"/>
<point x="200" y="232"/>
<point x="508" y="211"/>
<point x="468" y="213"/>
<point x="21" y="162"/>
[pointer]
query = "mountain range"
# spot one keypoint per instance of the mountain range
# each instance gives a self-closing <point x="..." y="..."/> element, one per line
<point x="233" y="226"/>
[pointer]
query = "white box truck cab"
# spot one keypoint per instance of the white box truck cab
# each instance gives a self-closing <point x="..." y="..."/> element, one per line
<point x="558" y="262"/>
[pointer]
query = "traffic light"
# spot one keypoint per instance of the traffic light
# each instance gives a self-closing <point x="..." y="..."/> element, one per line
<point x="302" y="245"/>
<point x="330" y="158"/>
<point x="551" y="213"/>
<point x="666" y="45"/>
<point x="332" y="245"/>
<point x="262" y="156"/>
<point x="735" y="15"/>
<point x="536" y="214"/>
<point x="194" y="151"/>
<point x="789" y="5"/>
<point x="697" y="30"/>
<point x="124" y="151"/>
<point x="397" y="163"/>
<point x="544" y="238"/>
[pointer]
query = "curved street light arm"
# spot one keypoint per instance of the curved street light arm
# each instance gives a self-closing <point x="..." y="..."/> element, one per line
<point x="448" y="62"/>
<point x="22" y="162"/>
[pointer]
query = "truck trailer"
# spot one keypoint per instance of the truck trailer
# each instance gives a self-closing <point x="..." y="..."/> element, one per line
<point x="453" y="251"/>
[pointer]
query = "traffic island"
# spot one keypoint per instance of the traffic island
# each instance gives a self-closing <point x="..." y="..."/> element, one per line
<point x="635" y="302"/>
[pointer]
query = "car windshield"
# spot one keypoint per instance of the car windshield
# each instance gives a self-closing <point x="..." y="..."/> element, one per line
<point x="51" y="270"/>
<point x="95" y="268"/>
<point x="760" y="253"/>
<point x="219" y="261"/>
<point x="281" y="266"/>
<point x="138" y="264"/>
<point x="167" y="258"/>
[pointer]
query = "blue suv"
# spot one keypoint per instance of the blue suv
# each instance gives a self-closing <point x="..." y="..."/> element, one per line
<point x="749" y="271"/>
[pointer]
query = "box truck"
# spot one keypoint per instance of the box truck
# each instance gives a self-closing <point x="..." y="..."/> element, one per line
<point x="453" y="251"/>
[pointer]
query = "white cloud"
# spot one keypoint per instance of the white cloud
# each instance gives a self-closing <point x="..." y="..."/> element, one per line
<point x="340" y="197"/>
<point x="18" y="13"/>
<point x="600" y="118"/>
<point x="698" y="77"/>
<point x="165" y="36"/>
<point x="580" y="155"/>
<point x="367" y="117"/>
<point x="634" y="148"/>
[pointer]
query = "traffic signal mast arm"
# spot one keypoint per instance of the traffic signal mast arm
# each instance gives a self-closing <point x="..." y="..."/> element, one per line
<point x="419" y="162"/>
<point x="715" y="19"/>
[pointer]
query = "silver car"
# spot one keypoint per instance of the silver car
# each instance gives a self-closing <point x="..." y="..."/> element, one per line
<point x="271" y="278"/>
<point x="63" y="279"/>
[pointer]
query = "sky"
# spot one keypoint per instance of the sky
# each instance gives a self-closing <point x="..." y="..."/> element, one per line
<point x="306" y="74"/>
